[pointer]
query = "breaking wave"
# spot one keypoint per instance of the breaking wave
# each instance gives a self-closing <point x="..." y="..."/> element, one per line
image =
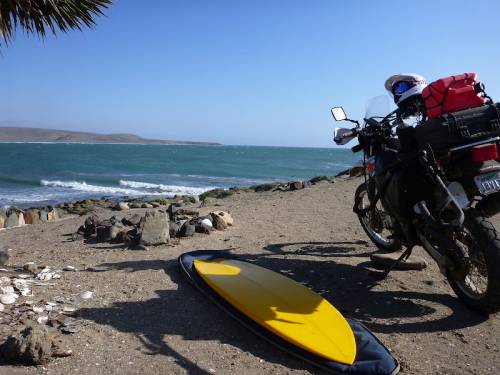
<point x="166" y="189"/>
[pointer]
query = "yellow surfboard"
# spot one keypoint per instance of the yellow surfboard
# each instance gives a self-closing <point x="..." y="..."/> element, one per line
<point x="283" y="306"/>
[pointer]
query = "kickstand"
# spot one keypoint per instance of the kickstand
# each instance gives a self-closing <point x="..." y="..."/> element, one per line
<point x="406" y="254"/>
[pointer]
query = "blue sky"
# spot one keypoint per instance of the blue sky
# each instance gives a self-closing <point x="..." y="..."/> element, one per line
<point x="240" y="72"/>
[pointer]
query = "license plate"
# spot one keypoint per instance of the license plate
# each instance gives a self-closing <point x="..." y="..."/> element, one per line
<point x="488" y="183"/>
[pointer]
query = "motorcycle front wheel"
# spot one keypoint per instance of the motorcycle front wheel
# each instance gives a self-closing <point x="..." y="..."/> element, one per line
<point x="376" y="223"/>
<point x="479" y="287"/>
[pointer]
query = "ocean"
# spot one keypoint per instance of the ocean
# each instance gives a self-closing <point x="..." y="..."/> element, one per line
<point x="38" y="174"/>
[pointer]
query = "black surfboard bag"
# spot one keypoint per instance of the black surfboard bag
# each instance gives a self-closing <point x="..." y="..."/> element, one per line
<point x="372" y="357"/>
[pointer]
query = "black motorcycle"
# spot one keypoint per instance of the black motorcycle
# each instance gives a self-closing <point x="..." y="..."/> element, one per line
<point x="434" y="185"/>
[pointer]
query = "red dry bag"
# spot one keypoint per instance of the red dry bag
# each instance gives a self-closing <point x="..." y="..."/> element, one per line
<point x="452" y="94"/>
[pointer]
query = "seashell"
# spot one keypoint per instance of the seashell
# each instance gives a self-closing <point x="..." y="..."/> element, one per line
<point x="38" y="309"/>
<point x="86" y="295"/>
<point x="7" y="289"/>
<point x="8" y="299"/>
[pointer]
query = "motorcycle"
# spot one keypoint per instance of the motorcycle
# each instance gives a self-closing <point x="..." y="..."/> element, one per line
<point x="419" y="190"/>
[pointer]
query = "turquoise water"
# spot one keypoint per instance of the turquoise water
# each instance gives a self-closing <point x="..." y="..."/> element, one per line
<point x="39" y="173"/>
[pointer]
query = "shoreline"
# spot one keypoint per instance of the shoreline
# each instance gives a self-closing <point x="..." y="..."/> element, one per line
<point x="140" y="301"/>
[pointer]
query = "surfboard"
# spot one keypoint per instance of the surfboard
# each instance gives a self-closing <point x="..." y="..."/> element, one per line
<point x="281" y="305"/>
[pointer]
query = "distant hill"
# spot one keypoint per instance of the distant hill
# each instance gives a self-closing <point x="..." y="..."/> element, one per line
<point x="16" y="134"/>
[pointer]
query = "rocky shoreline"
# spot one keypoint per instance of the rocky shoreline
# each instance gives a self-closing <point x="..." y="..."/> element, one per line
<point x="12" y="216"/>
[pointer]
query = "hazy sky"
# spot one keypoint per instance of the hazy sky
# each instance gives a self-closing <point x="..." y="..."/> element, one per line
<point x="240" y="72"/>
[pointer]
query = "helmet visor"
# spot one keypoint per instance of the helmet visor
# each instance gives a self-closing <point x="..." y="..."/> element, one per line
<point x="400" y="87"/>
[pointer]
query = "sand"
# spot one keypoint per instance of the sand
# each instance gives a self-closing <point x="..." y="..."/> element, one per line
<point x="145" y="318"/>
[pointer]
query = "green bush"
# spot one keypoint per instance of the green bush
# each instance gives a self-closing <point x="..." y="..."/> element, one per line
<point x="216" y="193"/>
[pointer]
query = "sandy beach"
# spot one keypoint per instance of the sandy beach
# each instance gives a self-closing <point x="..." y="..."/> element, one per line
<point x="146" y="318"/>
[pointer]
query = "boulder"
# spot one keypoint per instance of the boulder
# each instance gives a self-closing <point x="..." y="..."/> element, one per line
<point x="147" y="205"/>
<point x="114" y="230"/>
<point x="122" y="206"/>
<point x="226" y="216"/>
<point x="187" y="229"/>
<point x="154" y="228"/>
<point x="155" y="204"/>
<point x="32" y="216"/>
<point x="218" y="222"/>
<point x="203" y="225"/>
<point x="12" y="220"/>
<point x="174" y="228"/>
<point x="133" y="221"/>
<point x="135" y="205"/>
<point x="31" y="346"/>
<point x="356" y="171"/>
<point x="52" y="215"/>
<point x="296" y="185"/>
<point x="21" y="218"/>
<point x="2" y="219"/>
<point x="43" y="215"/>
<point x="103" y="233"/>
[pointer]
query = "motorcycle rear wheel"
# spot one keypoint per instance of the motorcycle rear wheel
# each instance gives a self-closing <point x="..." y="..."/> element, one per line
<point x="480" y="288"/>
<point x="374" y="225"/>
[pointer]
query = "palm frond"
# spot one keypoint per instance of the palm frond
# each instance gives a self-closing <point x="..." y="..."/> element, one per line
<point x="41" y="16"/>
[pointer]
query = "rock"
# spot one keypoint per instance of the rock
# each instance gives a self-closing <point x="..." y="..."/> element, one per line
<point x="387" y="259"/>
<point x="31" y="267"/>
<point x="154" y="228"/>
<point x="4" y="255"/>
<point x="52" y="215"/>
<point x="356" y="171"/>
<point x="147" y="205"/>
<point x="135" y="205"/>
<point x="218" y="221"/>
<point x="32" y="216"/>
<point x="90" y="226"/>
<point x="226" y="216"/>
<point x="204" y="225"/>
<point x="86" y="295"/>
<point x="155" y="204"/>
<point x="61" y="353"/>
<point x="114" y="231"/>
<point x="122" y="206"/>
<point x="296" y="185"/>
<point x="12" y="220"/>
<point x="132" y="221"/>
<point x="174" y="228"/>
<point x="76" y="236"/>
<point x="187" y="230"/>
<point x="103" y="233"/>
<point x="31" y="346"/>
<point x="70" y="268"/>
<point x="8" y="298"/>
<point x="43" y="215"/>
<point x="2" y="219"/>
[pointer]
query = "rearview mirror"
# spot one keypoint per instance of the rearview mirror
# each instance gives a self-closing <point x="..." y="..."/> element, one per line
<point x="338" y="114"/>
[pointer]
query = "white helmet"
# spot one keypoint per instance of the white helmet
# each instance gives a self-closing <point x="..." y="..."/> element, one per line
<point x="405" y="86"/>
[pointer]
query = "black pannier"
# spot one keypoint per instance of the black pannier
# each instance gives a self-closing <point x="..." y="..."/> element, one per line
<point x="457" y="128"/>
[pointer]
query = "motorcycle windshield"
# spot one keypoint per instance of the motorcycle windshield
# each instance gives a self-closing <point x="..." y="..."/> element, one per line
<point x="378" y="106"/>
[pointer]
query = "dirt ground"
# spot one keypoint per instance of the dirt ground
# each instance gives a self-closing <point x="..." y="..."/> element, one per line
<point x="145" y="317"/>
